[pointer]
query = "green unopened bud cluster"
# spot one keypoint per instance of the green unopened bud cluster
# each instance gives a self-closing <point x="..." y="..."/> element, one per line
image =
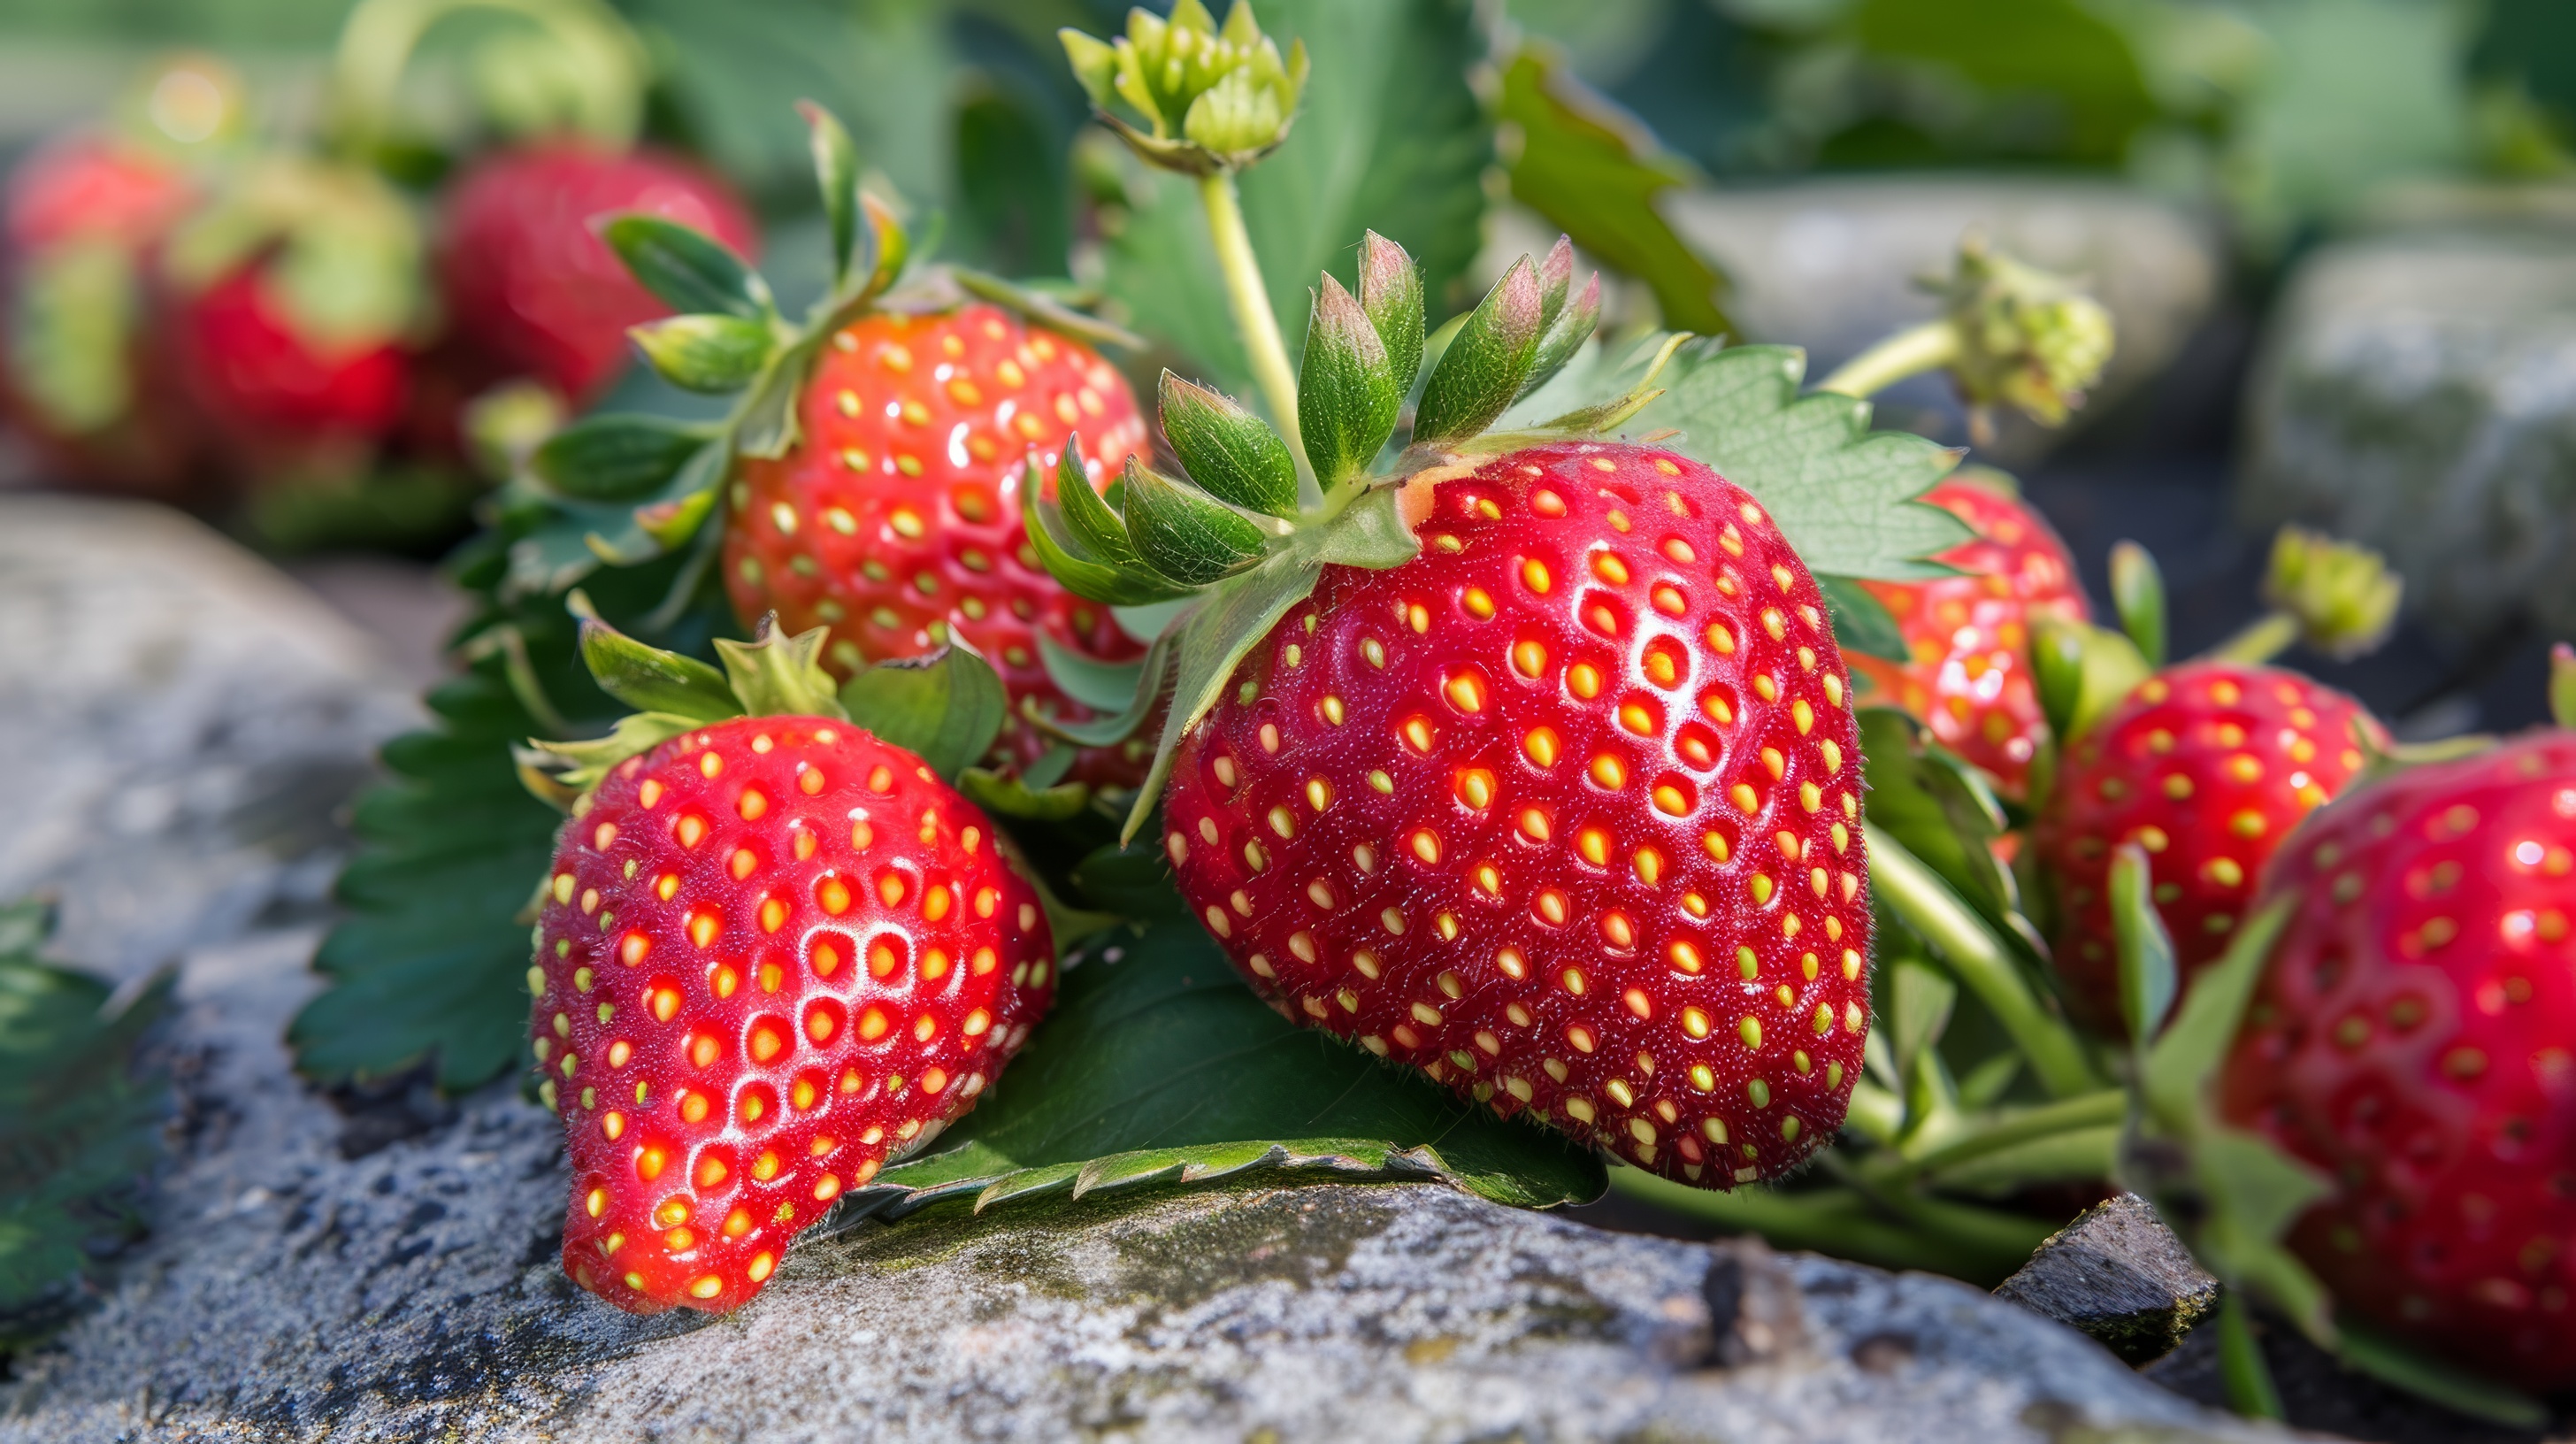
<point x="2029" y="339"/>
<point x="1211" y="98"/>
<point x="2342" y="595"/>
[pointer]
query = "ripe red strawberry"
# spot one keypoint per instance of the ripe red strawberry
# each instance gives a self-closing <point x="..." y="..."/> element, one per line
<point x="774" y="952"/>
<point x="528" y="282"/>
<point x="93" y="188"/>
<point x="2208" y="765"/>
<point x="2412" y="1039"/>
<point x="1565" y="812"/>
<point x="1969" y="680"/>
<point x="271" y="388"/>
<point x="895" y="521"/>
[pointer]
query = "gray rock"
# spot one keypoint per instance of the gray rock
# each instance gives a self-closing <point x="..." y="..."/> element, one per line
<point x="291" y="1291"/>
<point x="1830" y="265"/>
<point x="2418" y="392"/>
<point x="2118" y="1274"/>
<point x="182" y="722"/>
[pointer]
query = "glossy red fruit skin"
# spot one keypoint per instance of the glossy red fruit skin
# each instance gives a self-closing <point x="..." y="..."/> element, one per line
<point x="1424" y="856"/>
<point x="808" y="957"/>
<point x="527" y="280"/>
<point x="2414" y="1037"/>
<point x="1970" y="679"/>
<point x="895" y="520"/>
<point x="2208" y="765"/>
<point x="91" y="188"/>
<point x="267" y="387"/>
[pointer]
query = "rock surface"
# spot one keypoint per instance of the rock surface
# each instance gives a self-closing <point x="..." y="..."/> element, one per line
<point x="2418" y="392"/>
<point x="1831" y="264"/>
<point x="2118" y="1274"/>
<point x="291" y="1290"/>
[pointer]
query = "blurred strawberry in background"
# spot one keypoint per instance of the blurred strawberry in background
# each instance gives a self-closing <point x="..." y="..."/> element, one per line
<point x="82" y="218"/>
<point x="530" y="288"/>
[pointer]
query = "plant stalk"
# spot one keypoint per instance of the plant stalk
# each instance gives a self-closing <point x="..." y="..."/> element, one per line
<point x="1910" y="352"/>
<point x="1250" y="298"/>
<point x="2260" y="641"/>
<point x="2081" y="1112"/>
<point x="1979" y="958"/>
<point x="1966" y="1241"/>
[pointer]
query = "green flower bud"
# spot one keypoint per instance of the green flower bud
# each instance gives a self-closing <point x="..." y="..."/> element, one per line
<point x="2028" y="338"/>
<point x="1205" y="98"/>
<point x="2342" y="595"/>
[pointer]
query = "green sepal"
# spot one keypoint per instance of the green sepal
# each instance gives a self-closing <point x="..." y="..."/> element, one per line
<point x="1592" y="419"/>
<point x="2184" y="1058"/>
<point x="1480" y="374"/>
<point x="836" y="176"/>
<point x="709" y="353"/>
<point x="1183" y="533"/>
<point x="1369" y="533"/>
<point x="1080" y="569"/>
<point x="1945" y="813"/>
<point x="780" y="675"/>
<point x="686" y="502"/>
<point x="2138" y="595"/>
<point x="1120" y="715"/>
<point x="2562" y="684"/>
<point x="691" y="271"/>
<point x="1862" y="622"/>
<point x="592" y="758"/>
<point x="946" y="707"/>
<point x="1230" y="453"/>
<point x="1347" y="393"/>
<point x="1217" y="635"/>
<point x="1920" y="998"/>
<point x="1391" y="296"/>
<point x="649" y="679"/>
<point x="1008" y="796"/>
<point x="1563" y="327"/>
<point x="1100" y="532"/>
<point x="616" y="457"/>
<point x="2148" y="972"/>
<point x="2082" y="672"/>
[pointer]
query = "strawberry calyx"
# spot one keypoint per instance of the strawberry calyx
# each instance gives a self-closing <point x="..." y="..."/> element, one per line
<point x="1242" y="538"/>
<point x="945" y="707"/>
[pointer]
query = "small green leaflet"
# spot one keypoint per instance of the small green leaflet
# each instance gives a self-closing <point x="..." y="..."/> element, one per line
<point x="1842" y="493"/>
<point x="1159" y="1066"/>
<point x="78" y="1130"/>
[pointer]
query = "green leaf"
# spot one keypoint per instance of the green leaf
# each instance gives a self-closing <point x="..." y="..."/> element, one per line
<point x="1391" y="137"/>
<point x="80" y="1129"/>
<point x="650" y="679"/>
<point x="2562" y="684"/>
<point x="1121" y="717"/>
<point x="714" y="354"/>
<point x="1919" y="999"/>
<point x="1217" y="635"/>
<point x="2148" y="975"/>
<point x="616" y="458"/>
<point x="1596" y="176"/>
<point x="1133" y="881"/>
<point x="1843" y="494"/>
<point x="1231" y="453"/>
<point x="1347" y="395"/>
<point x="1101" y="686"/>
<point x="1480" y="375"/>
<point x="1158" y="1067"/>
<point x="1932" y="801"/>
<point x="1861" y="622"/>
<point x="693" y="272"/>
<point x="779" y="675"/>
<point x="836" y="178"/>
<point x="1391" y="295"/>
<point x="945" y="708"/>
<point x="2082" y="672"/>
<point x="1184" y="534"/>
<point x="1013" y="796"/>
<point x="2138" y="595"/>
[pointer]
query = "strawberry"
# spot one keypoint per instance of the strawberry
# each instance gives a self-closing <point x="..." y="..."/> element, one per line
<point x="1564" y="811"/>
<point x="89" y="188"/>
<point x="773" y="951"/>
<point x="252" y="369"/>
<point x="527" y="281"/>
<point x="1969" y="636"/>
<point x="896" y="519"/>
<point x="2209" y="765"/>
<point x="2411" y="1039"/>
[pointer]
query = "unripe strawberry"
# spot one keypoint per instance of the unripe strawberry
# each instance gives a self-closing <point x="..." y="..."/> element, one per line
<point x="773" y="953"/>
<point x="2414" y="1039"/>
<point x="1969" y="676"/>
<point x="895" y="521"/>
<point x="2208" y="766"/>
<point x="1565" y="812"/>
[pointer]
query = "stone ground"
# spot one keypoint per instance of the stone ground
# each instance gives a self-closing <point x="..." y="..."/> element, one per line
<point x="383" y="1267"/>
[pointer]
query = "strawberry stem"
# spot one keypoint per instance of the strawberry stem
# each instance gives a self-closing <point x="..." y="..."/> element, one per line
<point x="1959" y="1239"/>
<point x="1250" y="298"/>
<point x="1910" y="352"/>
<point x="2067" y="1115"/>
<point x="2241" y="1367"/>
<point x="1982" y="962"/>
